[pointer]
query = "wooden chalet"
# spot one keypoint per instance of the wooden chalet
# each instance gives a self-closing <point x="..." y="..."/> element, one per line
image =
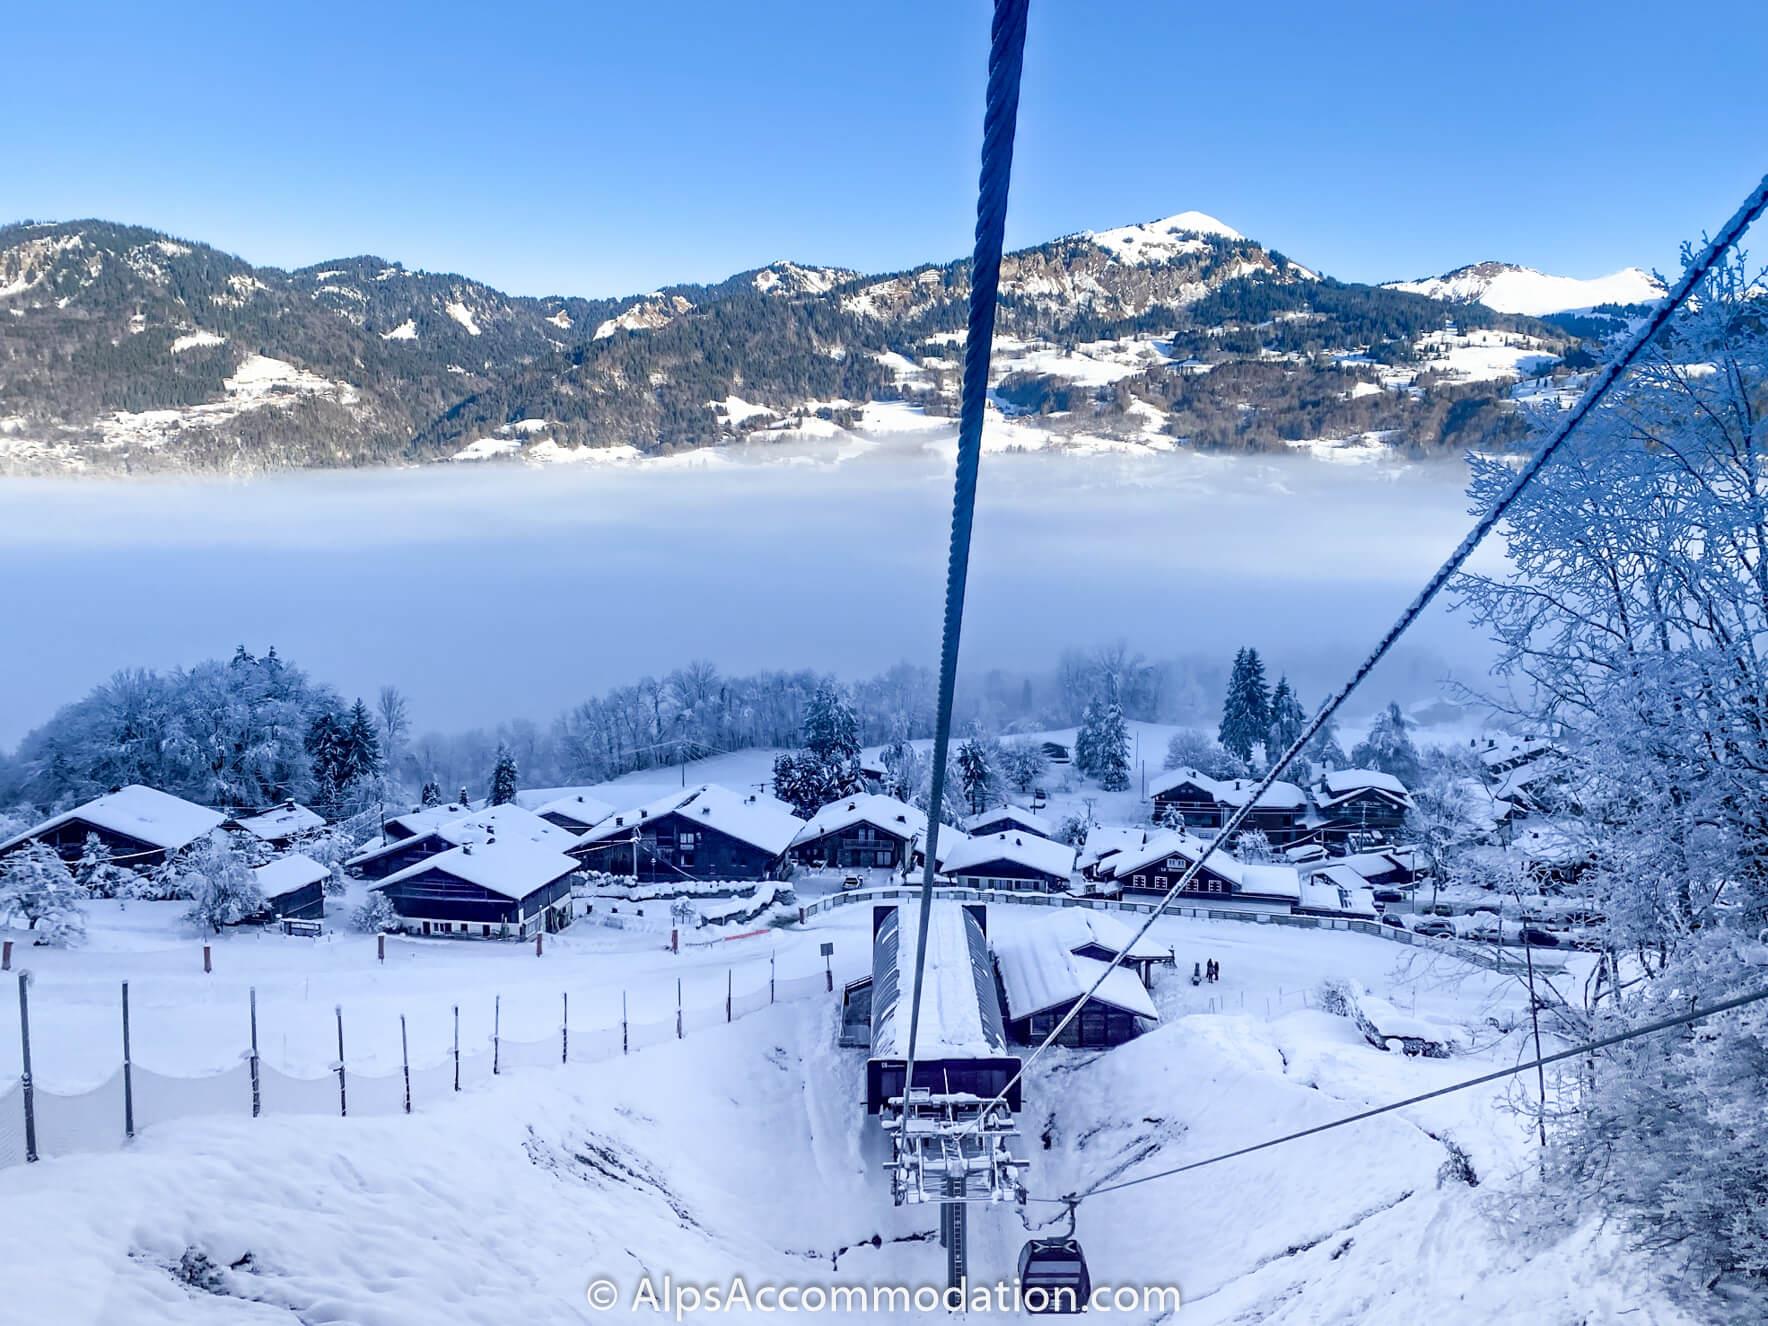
<point x="1362" y="803"/>
<point x="1008" y="819"/>
<point x="573" y="809"/>
<point x="411" y="823"/>
<point x="501" y="888"/>
<point x="380" y="860"/>
<point x="1223" y="881"/>
<point x="139" y="826"/>
<point x="1014" y="860"/>
<point x="864" y="832"/>
<point x="293" y="887"/>
<point x="1336" y="891"/>
<point x="700" y="833"/>
<point x="1105" y="841"/>
<point x="961" y="1045"/>
<point x="1198" y="801"/>
<point x="1042" y="979"/>
<point x="280" y="825"/>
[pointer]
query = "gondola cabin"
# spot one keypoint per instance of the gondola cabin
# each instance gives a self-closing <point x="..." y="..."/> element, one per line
<point x="962" y="1041"/>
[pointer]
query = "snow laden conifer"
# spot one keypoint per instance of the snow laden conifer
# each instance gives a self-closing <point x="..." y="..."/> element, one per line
<point x="37" y="888"/>
<point x="97" y="873"/>
<point x="1287" y="717"/>
<point x="1246" y="710"/>
<point x="979" y="774"/>
<point x="827" y="768"/>
<point x="224" y="891"/>
<point x="504" y="777"/>
<point x="1389" y="748"/>
<point x="431" y="796"/>
<point x="1024" y="764"/>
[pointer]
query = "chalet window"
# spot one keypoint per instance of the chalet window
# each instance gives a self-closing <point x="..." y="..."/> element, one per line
<point x="485" y="930"/>
<point x="687" y="840"/>
<point x="1139" y="880"/>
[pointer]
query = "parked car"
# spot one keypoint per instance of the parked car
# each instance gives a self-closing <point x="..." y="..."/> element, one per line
<point x="850" y="882"/>
<point x="1389" y="895"/>
<point x="1434" y="927"/>
<point x="1539" y="938"/>
<point x="1397" y="922"/>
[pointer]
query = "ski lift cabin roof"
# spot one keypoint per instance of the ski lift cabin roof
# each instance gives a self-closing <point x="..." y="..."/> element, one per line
<point x="961" y="1044"/>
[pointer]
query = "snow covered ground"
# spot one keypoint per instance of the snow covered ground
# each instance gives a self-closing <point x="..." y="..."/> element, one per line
<point x="742" y="1150"/>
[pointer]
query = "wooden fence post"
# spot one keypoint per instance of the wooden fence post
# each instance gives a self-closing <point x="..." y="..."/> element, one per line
<point x="6" y="955"/>
<point x="343" y="1100"/>
<point x="208" y="960"/>
<point x="30" y="1091"/>
<point x="729" y="975"/>
<point x="457" y="1047"/>
<point x="770" y="978"/>
<point x="624" y="1045"/>
<point x="128" y="1081"/>
<point x="380" y="947"/>
<point x="496" y="1035"/>
<point x="405" y="1062"/>
<point x="678" y="1008"/>
<point x="257" y="1085"/>
<point x="565" y="1028"/>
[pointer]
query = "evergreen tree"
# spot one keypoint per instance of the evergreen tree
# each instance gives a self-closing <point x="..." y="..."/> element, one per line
<point x="432" y="794"/>
<point x="1024" y="764"/>
<point x="1388" y="748"/>
<point x="503" y="777"/>
<point x="1086" y="740"/>
<point x="1113" y="751"/>
<point x="1246" y="711"/>
<point x="327" y="752"/>
<point x="977" y="773"/>
<point x="1324" y="750"/>
<point x="831" y="730"/>
<point x="1287" y="718"/>
<point x="361" y="744"/>
<point x="96" y="873"/>
<point x="376" y="915"/>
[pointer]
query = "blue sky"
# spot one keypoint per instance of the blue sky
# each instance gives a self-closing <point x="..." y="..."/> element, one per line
<point x="596" y="148"/>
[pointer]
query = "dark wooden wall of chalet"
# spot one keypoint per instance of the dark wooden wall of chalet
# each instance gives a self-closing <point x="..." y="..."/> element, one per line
<point x="1098" y="1024"/>
<point x="69" y="840"/>
<point x="1005" y="870"/>
<point x="847" y="848"/>
<point x="716" y="855"/>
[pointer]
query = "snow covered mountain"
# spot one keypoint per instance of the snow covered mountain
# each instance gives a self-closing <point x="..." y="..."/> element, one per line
<point x="1508" y="288"/>
<point x="126" y="349"/>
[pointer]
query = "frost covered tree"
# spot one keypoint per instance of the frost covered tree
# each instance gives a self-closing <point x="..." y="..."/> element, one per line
<point x="1024" y="764"/>
<point x="37" y="888"/>
<point x="978" y="769"/>
<point x="827" y="768"/>
<point x="376" y="915"/>
<point x="902" y="769"/>
<point x="1246" y="710"/>
<point x="1253" y="846"/>
<point x="1191" y="749"/>
<point x="224" y="890"/>
<point x="1323" y="751"/>
<point x="504" y="778"/>
<point x="1634" y="617"/>
<point x="1287" y="718"/>
<point x="1388" y="747"/>
<point x="431" y="795"/>
<point x="1109" y="744"/>
<point x="97" y="873"/>
<point x="1444" y="819"/>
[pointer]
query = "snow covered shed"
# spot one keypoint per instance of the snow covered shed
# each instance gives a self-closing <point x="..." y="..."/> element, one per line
<point x="379" y="860"/>
<point x="1101" y="936"/>
<point x="1042" y="979"/>
<point x="1007" y="819"/>
<point x="279" y="825"/>
<point x="961" y="1044"/>
<point x="139" y="826"/>
<point x="697" y="833"/>
<point x="1016" y="860"/>
<point x="293" y="887"/>
<point x="865" y="832"/>
<point x="505" y="887"/>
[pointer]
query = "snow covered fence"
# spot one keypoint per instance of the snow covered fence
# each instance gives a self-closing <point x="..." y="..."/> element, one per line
<point x="1488" y="955"/>
<point x="36" y="1122"/>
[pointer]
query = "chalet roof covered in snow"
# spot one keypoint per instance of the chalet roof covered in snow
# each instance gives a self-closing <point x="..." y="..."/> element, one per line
<point x="1340" y="890"/>
<point x="511" y="867"/>
<point x="1025" y="849"/>
<point x="1278" y="881"/>
<point x="1231" y="791"/>
<point x="143" y="813"/>
<point x="281" y="822"/>
<point x="1105" y="840"/>
<point x="1077" y="927"/>
<point x="580" y="803"/>
<point x="1009" y="815"/>
<point x="425" y="818"/>
<point x="751" y="817"/>
<point x="1336" y="784"/>
<point x="508" y="821"/>
<point x="1039" y="972"/>
<point x="1503" y="753"/>
<point x="288" y="873"/>
<point x="960" y="1010"/>
<point x="896" y="818"/>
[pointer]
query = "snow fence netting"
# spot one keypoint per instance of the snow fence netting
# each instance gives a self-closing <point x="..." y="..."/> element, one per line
<point x="376" y="1093"/>
<point x="517" y="1054"/>
<point x="284" y="1093"/>
<point x="596" y="1043"/>
<point x="641" y="1034"/>
<point x="160" y="1097"/>
<point x="83" y="1121"/>
<point x="12" y="1125"/>
<point x="431" y="1084"/>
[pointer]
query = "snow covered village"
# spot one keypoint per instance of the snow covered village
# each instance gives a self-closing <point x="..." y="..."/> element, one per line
<point x="1119" y="770"/>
